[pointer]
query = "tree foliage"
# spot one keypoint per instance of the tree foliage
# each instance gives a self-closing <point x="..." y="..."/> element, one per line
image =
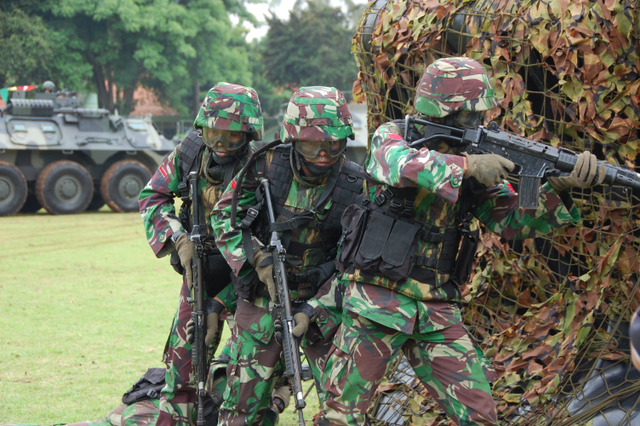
<point x="176" y="48"/>
<point x="312" y="48"/>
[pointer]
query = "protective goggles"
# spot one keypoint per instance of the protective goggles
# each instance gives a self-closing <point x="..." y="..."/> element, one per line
<point x="223" y="141"/>
<point x="313" y="149"/>
<point x="468" y="119"/>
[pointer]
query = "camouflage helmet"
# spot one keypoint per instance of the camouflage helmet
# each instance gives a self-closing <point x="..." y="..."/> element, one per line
<point x="231" y="107"/>
<point x="317" y="113"/>
<point x="454" y="84"/>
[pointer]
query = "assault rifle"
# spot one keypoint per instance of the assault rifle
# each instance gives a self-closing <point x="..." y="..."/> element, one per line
<point x="199" y="349"/>
<point x="533" y="160"/>
<point x="284" y="314"/>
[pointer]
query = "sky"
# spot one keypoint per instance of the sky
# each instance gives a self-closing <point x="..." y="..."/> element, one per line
<point x="281" y="11"/>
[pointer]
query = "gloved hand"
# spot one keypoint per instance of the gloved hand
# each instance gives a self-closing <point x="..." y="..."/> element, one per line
<point x="305" y="314"/>
<point x="281" y="397"/>
<point x="184" y="247"/>
<point x="212" y="329"/>
<point x="583" y="174"/>
<point x="488" y="169"/>
<point x="302" y="324"/>
<point x="263" y="262"/>
<point x="213" y="308"/>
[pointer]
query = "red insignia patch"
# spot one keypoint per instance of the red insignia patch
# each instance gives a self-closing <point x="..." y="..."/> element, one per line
<point x="395" y="137"/>
<point x="233" y="184"/>
<point x="162" y="172"/>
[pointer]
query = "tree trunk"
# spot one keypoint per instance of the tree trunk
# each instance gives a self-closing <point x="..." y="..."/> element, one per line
<point x="104" y="98"/>
<point x="128" y="104"/>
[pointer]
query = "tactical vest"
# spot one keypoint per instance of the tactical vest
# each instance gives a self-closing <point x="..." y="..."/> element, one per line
<point x="381" y="238"/>
<point x="190" y="151"/>
<point x="342" y="187"/>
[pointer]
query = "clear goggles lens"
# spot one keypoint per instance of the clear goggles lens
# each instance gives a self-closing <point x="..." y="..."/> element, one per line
<point x="223" y="141"/>
<point x="313" y="149"/>
<point x="468" y="119"/>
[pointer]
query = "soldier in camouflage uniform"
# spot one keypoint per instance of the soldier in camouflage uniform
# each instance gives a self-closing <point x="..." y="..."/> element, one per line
<point x="403" y="259"/>
<point x="311" y="184"/>
<point x="230" y="117"/>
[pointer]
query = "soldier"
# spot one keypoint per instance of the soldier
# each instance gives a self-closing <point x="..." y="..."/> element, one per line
<point x="230" y="117"/>
<point x="400" y="253"/>
<point x="311" y="184"/>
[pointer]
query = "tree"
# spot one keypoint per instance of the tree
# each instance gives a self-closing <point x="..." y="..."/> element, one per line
<point x="312" y="48"/>
<point x="176" y="48"/>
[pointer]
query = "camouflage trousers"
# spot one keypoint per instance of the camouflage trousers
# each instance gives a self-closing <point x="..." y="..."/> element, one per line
<point x="446" y="361"/>
<point x="256" y="365"/>
<point x="178" y="396"/>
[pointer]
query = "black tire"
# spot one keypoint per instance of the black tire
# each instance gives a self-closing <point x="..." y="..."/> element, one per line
<point x="96" y="202"/>
<point x="31" y="205"/>
<point x="122" y="183"/>
<point x="64" y="187"/>
<point x="13" y="189"/>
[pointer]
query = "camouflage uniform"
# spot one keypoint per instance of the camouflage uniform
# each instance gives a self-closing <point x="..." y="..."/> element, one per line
<point x="417" y="313"/>
<point x="309" y="232"/>
<point x="227" y="107"/>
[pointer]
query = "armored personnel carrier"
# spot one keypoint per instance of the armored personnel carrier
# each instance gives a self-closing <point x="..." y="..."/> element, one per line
<point x="67" y="159"/>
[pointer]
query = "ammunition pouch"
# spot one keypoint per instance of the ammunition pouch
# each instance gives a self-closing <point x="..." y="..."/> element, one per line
<point x="381" y="243"/>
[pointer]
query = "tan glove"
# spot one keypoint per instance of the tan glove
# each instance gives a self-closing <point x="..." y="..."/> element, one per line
<point x="488" y="169"/>
<point x="281" y="397"/>
<point x="302" y="324"/>
<point x="184" y="247"/>
<point x="583" y="174"/>
<point x="264" y="268"/>
<point x="212" y="329"/>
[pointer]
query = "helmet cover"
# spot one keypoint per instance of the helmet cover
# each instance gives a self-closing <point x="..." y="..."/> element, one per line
<point x="317" y="113"/>
<point x="454" y="84"/>
<point x="231" y="107"/>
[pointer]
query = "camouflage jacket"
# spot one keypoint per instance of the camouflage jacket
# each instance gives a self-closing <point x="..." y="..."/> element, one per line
<point x="439" y="179"/>
<point x="318" y="247"/>
<point x="157" y="200"/>
<point x="158" y="211"/>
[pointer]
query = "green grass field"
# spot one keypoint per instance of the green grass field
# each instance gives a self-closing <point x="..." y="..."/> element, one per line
<point x="86" y="309"/>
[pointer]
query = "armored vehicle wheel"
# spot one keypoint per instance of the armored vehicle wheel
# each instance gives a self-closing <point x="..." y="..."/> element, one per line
<point x="64" y="187"/>
<point x="13" y="189"/>
<point x="122" y="183"/>
<point x="31" y="205"/>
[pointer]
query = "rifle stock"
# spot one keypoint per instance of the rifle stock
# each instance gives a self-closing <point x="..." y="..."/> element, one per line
<point x="291" y="354"/>
<point x="199" y="348"/>
<point x="533" y="160"/>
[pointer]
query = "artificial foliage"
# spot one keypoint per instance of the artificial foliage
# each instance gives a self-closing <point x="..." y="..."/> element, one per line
<point x="552" y="313"/>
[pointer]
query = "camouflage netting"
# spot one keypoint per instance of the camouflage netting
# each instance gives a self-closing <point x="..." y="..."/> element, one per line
<point x="552" y="313"/>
